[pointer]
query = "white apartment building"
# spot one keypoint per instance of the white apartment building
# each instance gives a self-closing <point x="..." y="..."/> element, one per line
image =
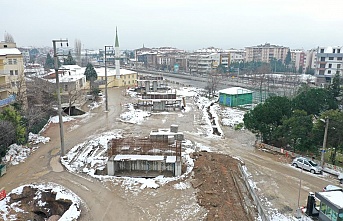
<point x="265" y="53"/>
<point x="329" y="62"/>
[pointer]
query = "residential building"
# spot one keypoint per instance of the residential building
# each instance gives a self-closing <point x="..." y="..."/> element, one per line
<point x="127" y="78"/>
<point x="265" y="53"/>
<point x="329" y="63"/>
<point x="298" y="57"/>
<point x="12" y="82"/>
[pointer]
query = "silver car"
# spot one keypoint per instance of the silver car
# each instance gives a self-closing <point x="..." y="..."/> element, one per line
<point x="306" y="164"/>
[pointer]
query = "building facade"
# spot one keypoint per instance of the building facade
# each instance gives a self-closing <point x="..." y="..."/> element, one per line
<point x="265" y="53"/>
<point x="329" y="62"/>
<point x="12" y="81"/>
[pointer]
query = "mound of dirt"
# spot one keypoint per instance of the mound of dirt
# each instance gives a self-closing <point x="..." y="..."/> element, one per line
<point x="221" y="189"/>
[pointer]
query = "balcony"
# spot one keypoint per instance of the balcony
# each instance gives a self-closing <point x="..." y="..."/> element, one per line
<point x="7" y="101"/>
<point x="4" y="86"/>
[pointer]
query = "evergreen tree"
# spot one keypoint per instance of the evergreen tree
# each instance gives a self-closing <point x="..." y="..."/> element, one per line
<point x="49" y="62"/>
<point x="91" y="74"/>
<point x="69" y="60"/>
<point x="288" y="58"/>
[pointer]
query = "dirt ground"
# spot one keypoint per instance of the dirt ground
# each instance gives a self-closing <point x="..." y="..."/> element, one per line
<point x="220" y="188"/>
<point x="277" y="183"/>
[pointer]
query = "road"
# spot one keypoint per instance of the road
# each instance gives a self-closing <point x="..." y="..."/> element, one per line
<point x="276" y="181"/>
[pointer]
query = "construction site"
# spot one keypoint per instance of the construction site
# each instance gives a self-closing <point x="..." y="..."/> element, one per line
<point x="160" y="154"/>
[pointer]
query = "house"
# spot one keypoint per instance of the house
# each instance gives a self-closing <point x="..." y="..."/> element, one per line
<point x="235" y="96"/>
<point x="12" y="81"/>
<point x="126" y="78"/>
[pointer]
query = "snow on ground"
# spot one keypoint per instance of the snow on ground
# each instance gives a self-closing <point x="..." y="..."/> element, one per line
<point x="61" y="193"/>
<point x="134" y="116"/>
<point x="90" y="155"/>
<point x="231" y="116"/>
<point x="18" y="153"/>
<point x="55" y="119"/>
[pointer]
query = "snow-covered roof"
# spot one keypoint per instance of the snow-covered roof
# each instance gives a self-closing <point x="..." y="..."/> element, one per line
<point x="171" y="159"/>
<point x="112" y="72"/>
<point x="335" y="197"/>
<point x="9" y="51"/>
<point x="121" y="157"/>
<point x="235" y="90"/>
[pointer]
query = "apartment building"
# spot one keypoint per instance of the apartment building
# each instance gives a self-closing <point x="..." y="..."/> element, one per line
<point x="265" y="53"/>
<point x="12" y="82"/>
<point x="298" y="58"/>
<point x="329" y="62"/>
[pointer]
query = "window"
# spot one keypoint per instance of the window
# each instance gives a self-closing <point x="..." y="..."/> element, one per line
<point x="16" y="72"/>
<point x="330" y="58"/>
<point x="10" y="61"/>
<point x="322" y="58"/>
<point x="338" y="66"/>
<point x="13" y="84"/>
<point x="323" y="207"/>
<point x="321" y="50"/>
<point x="329" y="71"/>
<point x="330" y="65"/>
<point x="321" y="72"/>
<point x="11" y="72"/>
<point x="66" y="87"/>
<point x="334" y="50"/>
<point x="338" y="50"/>
<point x="339" y="58"/>
<point x="322" y="66"/>
<point x="14" y="61"/>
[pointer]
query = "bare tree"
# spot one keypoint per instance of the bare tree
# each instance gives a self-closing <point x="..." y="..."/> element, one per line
<point x="213" y="79"/>
<point x="78" y="51"/>
<point x="74" y="96"/>
<point x="8" y="38"/>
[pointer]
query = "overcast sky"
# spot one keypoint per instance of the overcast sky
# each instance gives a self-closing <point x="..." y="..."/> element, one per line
<point x="184" y="24"/>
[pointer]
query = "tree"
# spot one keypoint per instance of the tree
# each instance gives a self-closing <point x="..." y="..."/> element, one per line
<point x="266" y="117"/>
<point x="91" y="74"/>
<point x="49" y="62"/>
<point x="335" y="86"/>
<point x="335" y="132"/>
<point x="300" y="70"/>
<point x="13" y="116"/>
<point x="8" y="138"/>
<point x="314" y="101"/>
<point x="296" y="130"/>
<point x="8" y="38"/>
<point x="288" y="58"/>
<point x="69" y="60"/>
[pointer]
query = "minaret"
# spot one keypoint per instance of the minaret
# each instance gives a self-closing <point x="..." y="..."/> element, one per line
<point x="117" y="56"/>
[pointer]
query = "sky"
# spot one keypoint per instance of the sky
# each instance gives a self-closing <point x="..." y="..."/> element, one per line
<point x="184" y="24"/>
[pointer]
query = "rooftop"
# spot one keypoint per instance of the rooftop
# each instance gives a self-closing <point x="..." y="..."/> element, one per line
<point x="235" y="90"/>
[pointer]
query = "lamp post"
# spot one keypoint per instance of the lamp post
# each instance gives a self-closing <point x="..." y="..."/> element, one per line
<point x="58" y="92"/>
<point x="324" y="140"/>
<point x="106" y="94"/>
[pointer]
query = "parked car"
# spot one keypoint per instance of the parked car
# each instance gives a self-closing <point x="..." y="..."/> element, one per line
<point x="306" y="164"/>
<point x="340" y="178"/>
<point x="332" y="188"/>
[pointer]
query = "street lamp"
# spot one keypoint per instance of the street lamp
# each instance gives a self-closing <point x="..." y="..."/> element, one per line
<point x="326" y="121"/>
<point x="58" y="92"/>
<point x="106" y="94"/>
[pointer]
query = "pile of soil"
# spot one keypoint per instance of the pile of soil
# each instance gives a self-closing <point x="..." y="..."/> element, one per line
<point x="221" y="189"/>
<point x="38" y="207"/>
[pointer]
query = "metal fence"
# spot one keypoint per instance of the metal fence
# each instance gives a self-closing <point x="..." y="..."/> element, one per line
<point x="251" y="190"/>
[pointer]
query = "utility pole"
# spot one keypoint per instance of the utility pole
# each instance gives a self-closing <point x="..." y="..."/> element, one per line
<point x="106" y="94"/>
<point x="58" y="92"/>
<point x="324" y="141"/>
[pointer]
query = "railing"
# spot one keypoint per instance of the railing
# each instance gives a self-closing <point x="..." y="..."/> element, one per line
<point x="5" y="86"/>
<point x="7" y="101"/>
<point x="258" y="203"/>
